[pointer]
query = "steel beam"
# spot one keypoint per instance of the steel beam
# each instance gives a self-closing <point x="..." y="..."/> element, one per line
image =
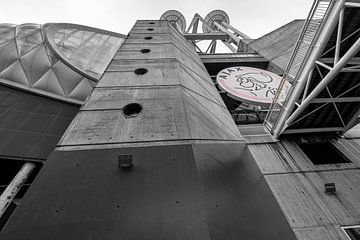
<point x="307" y="85"/>
<point x="241" y="34"/>
<point x="230" y="47"/>
<point x="206" y="36"/>
<point x="350" y="70"/>
<point x="352" y="4"/>
<point x="234" y="38"/>
<point x="335" y="100"/>
<point x="194" y="23"/>
<point x="327" y="79"/>
<point x="338" y="36"/>
<point x="323" y="65"/>
<point x="13" y="188"/>
<point x="315" y="54"/>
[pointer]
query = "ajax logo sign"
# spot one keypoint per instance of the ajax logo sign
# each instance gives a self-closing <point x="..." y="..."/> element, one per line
<point x="252" y="85"/>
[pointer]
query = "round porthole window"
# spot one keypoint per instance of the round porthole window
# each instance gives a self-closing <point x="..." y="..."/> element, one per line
<point x="148" y="38"/>
<point x="140" y="71"/>
<point x="145" y="50"/>
<point x="132" y="109"/>
<point x="150" y="29"/>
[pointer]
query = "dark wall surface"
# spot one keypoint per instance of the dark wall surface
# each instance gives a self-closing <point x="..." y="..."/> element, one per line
<point x="31" y="125"/>
<point x="191" y="191"/>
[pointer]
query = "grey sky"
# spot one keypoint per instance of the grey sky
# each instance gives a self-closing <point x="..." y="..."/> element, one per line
<point x="253" y="17"/>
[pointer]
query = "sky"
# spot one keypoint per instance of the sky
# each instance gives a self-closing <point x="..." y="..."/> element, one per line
<point x="253" y="17"/>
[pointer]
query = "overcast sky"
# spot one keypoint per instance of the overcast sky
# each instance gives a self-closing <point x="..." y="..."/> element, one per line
<point x="253" y="17"/>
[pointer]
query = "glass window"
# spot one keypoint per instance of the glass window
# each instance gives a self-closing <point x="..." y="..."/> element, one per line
<point x="7" y="32"/>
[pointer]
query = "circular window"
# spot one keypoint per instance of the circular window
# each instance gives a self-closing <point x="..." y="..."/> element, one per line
<point x="132" y="109"/>
<point x="145" y="50"/>
<point x="140" y="71"/>
<point x="150" y="29"/>
<point x="151" y="23"/>
<point x="148" y="38"/>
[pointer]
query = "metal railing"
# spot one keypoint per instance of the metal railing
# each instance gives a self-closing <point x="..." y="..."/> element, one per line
<point x="312" y="27"/>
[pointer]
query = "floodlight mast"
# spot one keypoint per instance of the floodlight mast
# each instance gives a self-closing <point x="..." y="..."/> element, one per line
<point x="215" y="27"/>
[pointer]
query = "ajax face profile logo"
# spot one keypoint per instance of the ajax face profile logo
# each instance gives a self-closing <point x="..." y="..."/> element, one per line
<point x="250" y="84"/>
<point x="256" y="81"/>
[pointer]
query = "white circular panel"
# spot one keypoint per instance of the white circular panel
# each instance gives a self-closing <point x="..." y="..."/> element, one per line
<point x="218" y="16"/>
<point x="252" y="85"/>
<point x="174" y="17"/>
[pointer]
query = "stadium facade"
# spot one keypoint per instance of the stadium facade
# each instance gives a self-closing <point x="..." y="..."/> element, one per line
<point x="140" y="136"/>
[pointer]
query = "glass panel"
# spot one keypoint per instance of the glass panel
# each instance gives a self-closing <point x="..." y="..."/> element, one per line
<point x="25" y="44"/>
<point x="88" y="51"/>
<point x="52" y="57"/>
<point x="25" y="29"/>
<point x="6" y="33"/>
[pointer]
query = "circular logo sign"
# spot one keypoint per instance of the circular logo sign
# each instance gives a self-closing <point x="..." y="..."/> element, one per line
<point x="252" y="85"/>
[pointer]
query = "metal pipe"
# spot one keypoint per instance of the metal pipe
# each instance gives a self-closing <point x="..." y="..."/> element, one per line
<point x="194" y="22"/>
<point x="232" y="36"/>
<point x="327" y="79"/>
<point x="323" y="65"/>
<point x="13" y="188"/>
<point x="316" y="51"/>
<point x="206" y="36"/>
<point x="212" y="42"/>
<point x="352" y="4"/>
<point x="241" y="34"/>
<point x="204" y="23"/>
<point x="230" y="47"/>
<point x="338" y="37"/>
<point x="213" y="47"/>
<point x="307" y="85"/>
<point x="350" y="70"/>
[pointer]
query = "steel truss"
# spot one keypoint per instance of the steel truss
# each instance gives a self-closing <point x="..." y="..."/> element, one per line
<point x="306" y="62"/>
<point x="224" y="32"/>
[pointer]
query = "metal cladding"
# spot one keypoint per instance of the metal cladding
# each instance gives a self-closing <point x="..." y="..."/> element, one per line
<point x="62" y="61"/>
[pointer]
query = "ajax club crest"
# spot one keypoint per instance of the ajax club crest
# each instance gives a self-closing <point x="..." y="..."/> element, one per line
<point x="252" y="85"/>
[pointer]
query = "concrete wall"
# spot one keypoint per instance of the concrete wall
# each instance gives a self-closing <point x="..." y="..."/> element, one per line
<point x="298" y="186"/>
<point x="190" y="179"/>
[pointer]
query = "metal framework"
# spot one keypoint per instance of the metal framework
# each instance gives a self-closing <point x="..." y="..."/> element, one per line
<point x="321" y="55"/>
<point x="175" y="18"/>
<point x="214" y="28"/>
